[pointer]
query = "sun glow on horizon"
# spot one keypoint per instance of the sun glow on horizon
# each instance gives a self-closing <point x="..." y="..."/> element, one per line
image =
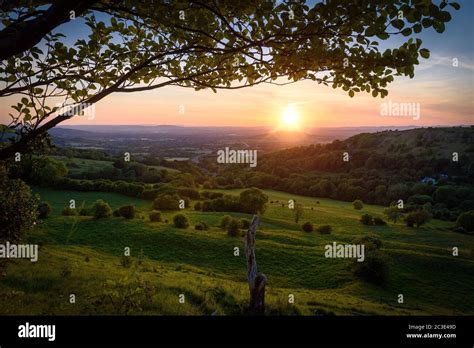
<point x="290" y="119"/>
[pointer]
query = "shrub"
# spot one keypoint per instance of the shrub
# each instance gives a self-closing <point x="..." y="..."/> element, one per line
<point x="180" y="221"/>
<point x="245" y="224"/>
<point x="101" y="209"/>
<point x="367" y="219"/>
<point x="233" y="228"/>
<point x="84" y="211"/>
<point x="127" y="211"/>
<point x="324" y="229"/>
<point x="197" y="206"/>
<point x="201" y="226"/>
<point x="116" y="213"/>
<point x="69" y="211"/>
<point x="374" y="269"/>
<point x="307" y="227"/>
<point x="155" y="216"/>
<point x="44" y="210"/>
<point x="379" y="221"/>
<point x="225" y="221"/>
<point x="371" y="243"/>
<point x="253" y="201"/>
<point x="166" y="202"/>
<point x="466" y="221"/>
<point x="357" y="204"/>
<point x="393" y="213"/>
<point x="417" y="218"/>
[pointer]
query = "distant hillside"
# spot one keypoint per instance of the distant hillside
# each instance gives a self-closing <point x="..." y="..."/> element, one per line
<point x="414" y="148"/>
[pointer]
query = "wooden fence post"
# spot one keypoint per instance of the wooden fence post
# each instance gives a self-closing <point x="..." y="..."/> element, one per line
<point x="255" y="279"/>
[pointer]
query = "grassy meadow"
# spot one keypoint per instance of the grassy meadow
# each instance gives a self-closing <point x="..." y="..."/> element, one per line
<point x="84" y="256"/>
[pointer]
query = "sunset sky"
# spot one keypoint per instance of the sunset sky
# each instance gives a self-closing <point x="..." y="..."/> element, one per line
<point x="445" y="94"/>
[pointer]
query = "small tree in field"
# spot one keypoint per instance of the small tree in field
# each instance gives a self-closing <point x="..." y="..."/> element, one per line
<point x="44" y="210"/>
<point x="367" y="219"/>
<point x="417" y="218"/>
<point x="233" y="228"/>
<point x="226" y="219"/>
<point x="101" y="209"/>
<point x="253" y="201"/>
<point x="393" y="213"/>
<point x="308" y="227"/>
<point x="180" y="221"/>
<point x="155" y="216"/>
<point x="127" y="211"/>
<point x="298" y="211"/>
<point x="357" y="204"/>
<point x="466" y="221"/>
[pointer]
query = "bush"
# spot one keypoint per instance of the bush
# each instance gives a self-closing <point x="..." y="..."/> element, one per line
<point x="201" y="226"/>
<point x="69" y="211"/>
<point x="127" y="211"/>
<point x="233" y="228"/>
<point x="166" y="202"/>
<point x="307" y="227"/>
<point x="324" y="229"/>
<point x="180" y="221"/>
<point x="84" y="211"/>
<point x="116" y="213"/>
<point x="417" y="218"/>
<point x="357" y="204"/>
<point x="379" y="221"/>
<point x="253" y="201"/>
<point x="367" y="219"/>
<point x="44" y="210"/>
<point x="226" y="219"/>
<point x="374" y="269"/>
<point x="101" y="209"/>
<point x="466" y="221"/>
<point x="155" y="216"/>
<point x="371" y="243"/>
<point x="197" y="206"/>
<point x="245" y="224"/>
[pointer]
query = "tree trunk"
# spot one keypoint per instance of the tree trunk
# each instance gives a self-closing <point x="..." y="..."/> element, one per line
<point x="256" y="280"/>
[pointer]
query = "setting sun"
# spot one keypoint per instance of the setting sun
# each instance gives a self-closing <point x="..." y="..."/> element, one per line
<point x="290" y="118"/>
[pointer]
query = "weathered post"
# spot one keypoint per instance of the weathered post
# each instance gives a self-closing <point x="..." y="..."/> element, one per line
<point x="255" y="279"/>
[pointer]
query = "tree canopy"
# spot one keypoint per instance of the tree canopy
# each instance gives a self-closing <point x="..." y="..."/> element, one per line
<point x="137" y="45"/>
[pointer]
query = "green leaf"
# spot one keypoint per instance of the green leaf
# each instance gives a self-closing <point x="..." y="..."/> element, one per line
<point x="427" y="22"/>
<point x="455" y="5"/>
<point x="399" y="24"/>
<point x="425" y="53"/>
<point x="438" y="26"/>
<point x="24" y="100"/>
<point x="406" y="32"/>
<point x="351" y="93"/>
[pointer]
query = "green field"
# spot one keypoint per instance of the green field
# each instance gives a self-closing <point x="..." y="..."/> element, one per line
<point x="84" y="165"/>
<point x="82" y="256"/>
